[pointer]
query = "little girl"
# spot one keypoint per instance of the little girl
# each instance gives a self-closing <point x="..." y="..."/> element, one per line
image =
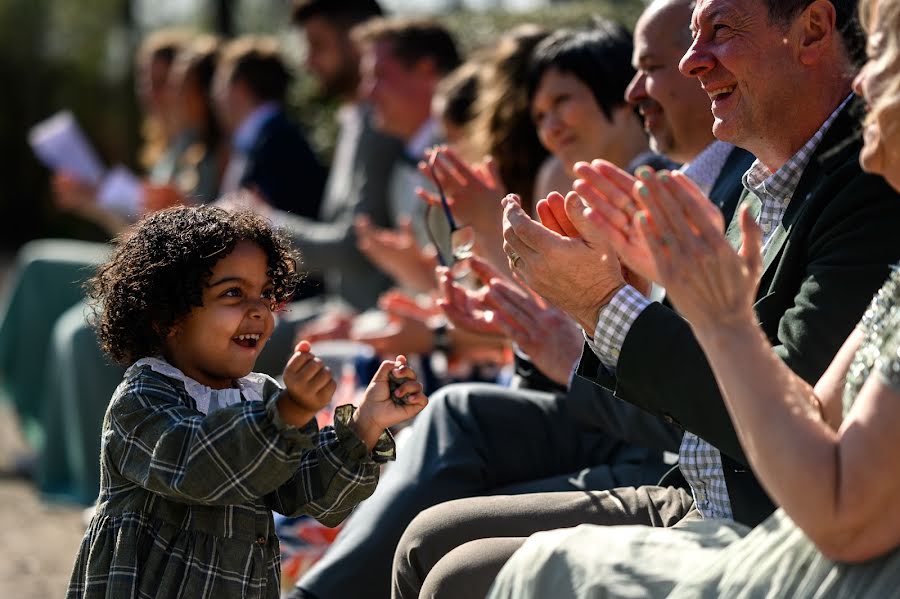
<point x="197" y="449"/>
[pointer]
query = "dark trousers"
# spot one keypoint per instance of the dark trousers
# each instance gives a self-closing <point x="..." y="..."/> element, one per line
<point x="455" y="549"/>
<point x="472" y="440"/>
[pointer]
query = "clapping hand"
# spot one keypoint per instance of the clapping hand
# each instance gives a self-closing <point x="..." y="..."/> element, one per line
<point x="160" y="197"/>
<point x="709" y="282"/>
<point x="550" y="337"/>
<point x="466" y="308"/>
<point x="397" y="253"/>
<point x="577" y="271"/>
<point x="71" y="193"/>
<point x="406" y="329"/>
<point x="473" y="191"/>
<point x="609" y="194"/>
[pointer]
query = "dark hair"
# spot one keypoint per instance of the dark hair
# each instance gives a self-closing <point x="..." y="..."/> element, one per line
<point x="344" y="13"/>
<point x="160" y="267"/>
<point x="502" y="126"/>
<point x="163" y="44"/>
<point x="781" y="12"/>
<point x="256" y="61"/>
<point x="599" y="56"/>
<point x="412" y="40"/>
<point x="456" y="93"/>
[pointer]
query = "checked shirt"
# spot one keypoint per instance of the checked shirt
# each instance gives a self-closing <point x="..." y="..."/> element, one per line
<point x="186" y="497"/>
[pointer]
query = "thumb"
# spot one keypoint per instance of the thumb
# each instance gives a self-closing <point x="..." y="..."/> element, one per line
<point x="382" y="375"/>
<point x="751" y="242"/>
<point x="575" y="209"/>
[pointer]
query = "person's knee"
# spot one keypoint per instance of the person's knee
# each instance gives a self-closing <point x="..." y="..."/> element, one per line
<point x="468" y="570"/>
<point x="423" y="532"/>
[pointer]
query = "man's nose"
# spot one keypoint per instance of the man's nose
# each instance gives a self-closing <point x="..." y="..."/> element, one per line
<point x="637" y="89"/>
<point x="696" y="61"/>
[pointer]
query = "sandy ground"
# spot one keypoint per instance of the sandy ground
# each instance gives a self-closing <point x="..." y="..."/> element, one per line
<point x="39" y="540"/>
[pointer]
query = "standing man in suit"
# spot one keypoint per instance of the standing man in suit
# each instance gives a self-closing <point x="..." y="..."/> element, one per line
<point x="778" y="75"/>
<point x="270" y="155"/>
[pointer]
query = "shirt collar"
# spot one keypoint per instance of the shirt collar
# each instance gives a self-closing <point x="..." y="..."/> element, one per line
<point x="706" y="166"/>
<point x="247" y="132"/>
<point x="250" y="387"/>
<point x="781" y="184"/>
<point x="348" y="113"/>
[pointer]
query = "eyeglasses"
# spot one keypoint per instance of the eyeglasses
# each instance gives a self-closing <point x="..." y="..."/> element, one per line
<point x="461" y="239"/>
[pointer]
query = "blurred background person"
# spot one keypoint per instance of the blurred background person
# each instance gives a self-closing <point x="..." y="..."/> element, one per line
<point x="270" y="155"/>
<point x="46" y="280"/>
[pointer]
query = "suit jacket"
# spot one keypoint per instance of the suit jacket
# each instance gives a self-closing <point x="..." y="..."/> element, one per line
<point x="284" y="168"/>
<point x="356" y="185"/>
<point x="830" y="254"/>
<point x="728" y="188"/>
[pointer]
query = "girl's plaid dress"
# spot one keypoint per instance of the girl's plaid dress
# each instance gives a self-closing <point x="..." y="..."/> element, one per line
<point x="188" y="486"/>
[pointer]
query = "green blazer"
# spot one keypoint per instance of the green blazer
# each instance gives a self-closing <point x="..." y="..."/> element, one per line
<point x="831" y="253"/>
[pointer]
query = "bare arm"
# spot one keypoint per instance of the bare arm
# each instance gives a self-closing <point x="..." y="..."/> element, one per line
<point x="838" y="485"/>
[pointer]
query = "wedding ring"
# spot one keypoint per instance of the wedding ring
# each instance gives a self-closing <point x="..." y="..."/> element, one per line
<point x="514" y="257"/>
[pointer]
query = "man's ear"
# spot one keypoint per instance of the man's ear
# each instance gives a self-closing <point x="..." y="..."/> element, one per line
<point x="818" y="31"/>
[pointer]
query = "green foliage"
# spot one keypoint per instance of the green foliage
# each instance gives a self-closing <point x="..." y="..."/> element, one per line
<point x="476" y="29"/>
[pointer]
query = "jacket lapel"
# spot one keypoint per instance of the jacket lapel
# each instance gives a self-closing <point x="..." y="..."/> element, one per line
<point x="733" y="232"/>
<point x="833" y="151"/>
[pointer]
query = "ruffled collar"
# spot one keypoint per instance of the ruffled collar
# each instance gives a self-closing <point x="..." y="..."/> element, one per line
<point x="208" y="400"/>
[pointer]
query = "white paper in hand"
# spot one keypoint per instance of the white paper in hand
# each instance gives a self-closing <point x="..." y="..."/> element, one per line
<point x="122" y="192"/>
<point x="61" y="145"/>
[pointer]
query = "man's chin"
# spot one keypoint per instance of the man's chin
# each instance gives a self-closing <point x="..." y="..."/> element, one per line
<point x="726" y="131"/>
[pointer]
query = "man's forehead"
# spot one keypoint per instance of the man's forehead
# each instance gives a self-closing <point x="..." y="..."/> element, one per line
<point x="706" y="10"/>
<point x="661" y="29"/>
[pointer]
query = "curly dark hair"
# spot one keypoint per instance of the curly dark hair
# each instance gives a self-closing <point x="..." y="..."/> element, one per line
<point x="160" y="267"/>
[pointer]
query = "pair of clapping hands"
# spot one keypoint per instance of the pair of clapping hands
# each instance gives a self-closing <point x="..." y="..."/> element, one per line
<point x="614" y="228"/>
<point x="393" y="395"/>
<point x="472" y="191"/>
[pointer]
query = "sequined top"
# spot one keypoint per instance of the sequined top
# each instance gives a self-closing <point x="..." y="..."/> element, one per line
<point x="879" y="351"/>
